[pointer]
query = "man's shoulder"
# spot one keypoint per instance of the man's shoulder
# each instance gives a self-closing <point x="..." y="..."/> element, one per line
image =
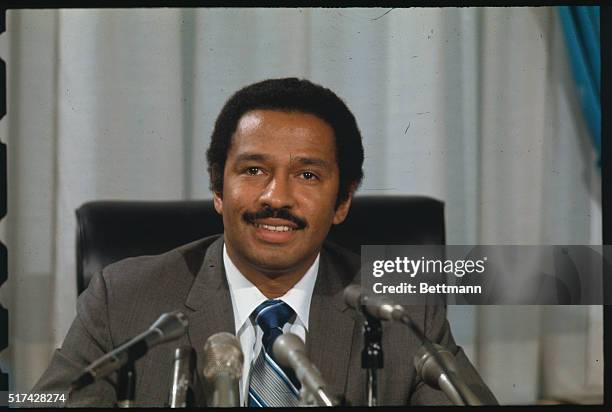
<point x="135" y="291"/>
<point x="194" y="249"/>
<point x="150" y="276"/>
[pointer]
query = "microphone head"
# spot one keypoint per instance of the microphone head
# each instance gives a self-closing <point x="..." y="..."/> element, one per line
<point x="286" y="344"/>
<point x="378" y="306"/>
<point x="170" y="326"/>
<point x="222" y="354"/>
<point x="352" y="296"/>
<point x="382" y="307"/>
<point x="428" y="368"/>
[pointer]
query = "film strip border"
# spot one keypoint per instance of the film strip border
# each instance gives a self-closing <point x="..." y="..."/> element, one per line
<point x="3" y="209"/>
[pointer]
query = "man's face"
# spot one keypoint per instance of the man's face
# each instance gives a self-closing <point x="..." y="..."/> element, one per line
<point x="281" y="181"/>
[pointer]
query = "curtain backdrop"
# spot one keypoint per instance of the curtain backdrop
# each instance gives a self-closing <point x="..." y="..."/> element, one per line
<point x="475" y="107"/>
<point x="581" y="28"/>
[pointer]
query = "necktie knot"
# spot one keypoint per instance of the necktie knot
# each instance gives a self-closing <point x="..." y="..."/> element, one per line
<point x="272" y="315"/>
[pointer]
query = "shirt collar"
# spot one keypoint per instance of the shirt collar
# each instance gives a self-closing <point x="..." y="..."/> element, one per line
<point x="246" y="297"/>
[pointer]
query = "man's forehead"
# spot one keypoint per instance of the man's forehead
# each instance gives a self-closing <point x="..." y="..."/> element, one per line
<point x="257" y="118"/>
<point x="249" y="121"/>
<point x="294" y="133"/>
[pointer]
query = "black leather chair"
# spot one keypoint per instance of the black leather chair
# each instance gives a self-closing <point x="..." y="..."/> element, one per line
<point x="108" y="231"/>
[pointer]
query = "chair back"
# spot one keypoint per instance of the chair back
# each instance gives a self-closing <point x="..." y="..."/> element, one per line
<point x="108" y="231"/>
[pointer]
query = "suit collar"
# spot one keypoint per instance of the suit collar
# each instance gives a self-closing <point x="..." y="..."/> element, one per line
<point x="246" y="297"/>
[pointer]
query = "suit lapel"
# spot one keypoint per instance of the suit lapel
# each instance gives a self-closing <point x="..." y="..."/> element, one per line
<point x="331" y="327"/>
<point x="210" y="299"/>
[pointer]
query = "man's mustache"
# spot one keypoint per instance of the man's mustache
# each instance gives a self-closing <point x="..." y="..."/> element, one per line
<point x="269" y="212"/>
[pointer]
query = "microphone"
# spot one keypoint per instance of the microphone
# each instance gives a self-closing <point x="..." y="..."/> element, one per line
<point x="383" y="308"/>
<point x="168" y="327"/>
<point x="223" y="361"/>
<point x="290" y="352"/>
<point x="378" y="307"/>
<point x="435" y="375"/>
<point x="181" y="394"/>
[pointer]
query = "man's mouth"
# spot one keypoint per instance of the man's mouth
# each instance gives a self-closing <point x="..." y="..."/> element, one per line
<point x="274" y="228"/>
<point x="275" y="231"/>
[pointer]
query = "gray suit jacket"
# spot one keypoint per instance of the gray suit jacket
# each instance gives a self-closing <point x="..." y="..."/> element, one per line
<point x="128" y="296"/>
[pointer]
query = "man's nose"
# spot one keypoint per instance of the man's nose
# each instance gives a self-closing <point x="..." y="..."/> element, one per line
<point x="278" y="193"/>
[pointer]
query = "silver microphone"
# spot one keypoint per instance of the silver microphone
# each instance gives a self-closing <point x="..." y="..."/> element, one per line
<point x="432" y="374"/>
<point x="290" y="352"/>
<point x="223" y="360"/>
<point x="444" y="377"/>
<point x="181" y="392"/>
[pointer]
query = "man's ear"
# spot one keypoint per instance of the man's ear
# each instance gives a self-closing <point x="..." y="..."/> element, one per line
<point x="218" y="202"/>
<point x="343" y="208"/>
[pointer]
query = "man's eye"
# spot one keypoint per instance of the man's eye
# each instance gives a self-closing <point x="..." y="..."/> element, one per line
<point x="253" y="171"/>
<point x="309" y="176"/>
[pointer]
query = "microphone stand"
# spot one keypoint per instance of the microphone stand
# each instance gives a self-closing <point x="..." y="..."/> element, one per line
<point x="372" y="355"/>
<point x="127" y="385"/>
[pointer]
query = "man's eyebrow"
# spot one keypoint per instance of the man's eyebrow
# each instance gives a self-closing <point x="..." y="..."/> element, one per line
<point x="311" y="161"/>
<point x="306" y="161"/>
<point x="246" y="157"/>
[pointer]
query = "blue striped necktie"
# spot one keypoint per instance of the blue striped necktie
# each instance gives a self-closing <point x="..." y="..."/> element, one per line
<point x="271" y="385"/>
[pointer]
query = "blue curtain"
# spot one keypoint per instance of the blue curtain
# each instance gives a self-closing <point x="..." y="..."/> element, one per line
<point x="581" y="29"/>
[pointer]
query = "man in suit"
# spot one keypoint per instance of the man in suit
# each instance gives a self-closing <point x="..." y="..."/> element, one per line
<point x="284" y="161"/>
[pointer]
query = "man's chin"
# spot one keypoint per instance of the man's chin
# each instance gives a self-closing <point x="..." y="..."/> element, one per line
<point x="277" y="264"/>
<point x="275" y="267"/>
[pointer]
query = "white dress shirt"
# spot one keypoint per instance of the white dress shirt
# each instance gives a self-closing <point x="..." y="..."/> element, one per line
<point x="246" y="297"/>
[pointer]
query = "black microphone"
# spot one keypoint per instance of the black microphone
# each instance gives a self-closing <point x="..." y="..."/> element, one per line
<point x="181" y="392"/>
<point x="384" y="309"/>
<point x="379" y="307"/>
<point x="223" y="360"/>
<point x="169" y="326"/>
<point x="290" y="351"/>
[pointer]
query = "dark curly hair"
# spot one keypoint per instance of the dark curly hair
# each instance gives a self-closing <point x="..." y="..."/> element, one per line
<point x="290" y="94"/>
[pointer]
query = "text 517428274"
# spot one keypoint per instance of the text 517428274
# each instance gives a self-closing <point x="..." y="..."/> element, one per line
<point x="43" y="398"/>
